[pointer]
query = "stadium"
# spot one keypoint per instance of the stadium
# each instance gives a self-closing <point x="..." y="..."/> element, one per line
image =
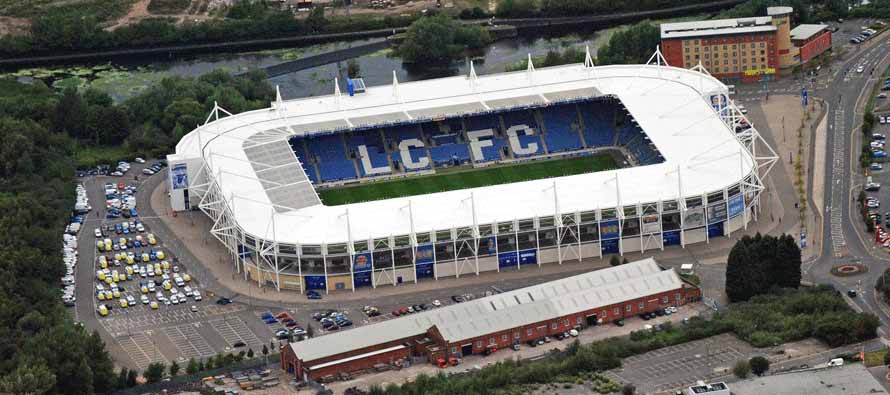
<point x="461" y="175"/>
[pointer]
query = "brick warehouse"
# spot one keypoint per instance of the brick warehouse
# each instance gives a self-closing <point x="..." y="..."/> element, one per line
<point x="497" y="321"/>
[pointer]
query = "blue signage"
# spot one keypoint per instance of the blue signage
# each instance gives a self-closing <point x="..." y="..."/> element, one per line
<point x="424" y="254"/>
<point x="528" y="257"/>
<point x="672" y="238"/>
<point x="610" y="246"/>
<point x="507" y="259"/>
<point x="361" y="279"/>
<point x="315" y="282"/>
<point x="424" y="270"/>
<point x="609" y="230"/>
<point x="179" y="176"/>
<point x="361" y="262"/>
<point x="736" y="206"/>
<point x="804" y="98"/>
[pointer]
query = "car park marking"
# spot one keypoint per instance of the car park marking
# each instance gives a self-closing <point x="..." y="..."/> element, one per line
<point x="189" y="342"/>
<point x="141" y="349"/>
<point x="235" y="330"/>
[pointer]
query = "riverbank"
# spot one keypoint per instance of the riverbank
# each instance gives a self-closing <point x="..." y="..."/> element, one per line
<point x="540" y="25"/>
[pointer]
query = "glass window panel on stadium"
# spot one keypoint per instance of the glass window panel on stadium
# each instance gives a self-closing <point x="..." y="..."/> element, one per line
<point x="510" y="245"/>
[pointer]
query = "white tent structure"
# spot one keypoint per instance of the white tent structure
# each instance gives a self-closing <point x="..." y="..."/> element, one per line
<point x="241" y="171"/>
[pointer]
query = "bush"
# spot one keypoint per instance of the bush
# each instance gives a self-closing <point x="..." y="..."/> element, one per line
<point x="759" y="365"/>
<point x="439" y="38"/>
<point x="741" y="369"/>
<point x="628" y="389"/>
<point x="517" y="8"/>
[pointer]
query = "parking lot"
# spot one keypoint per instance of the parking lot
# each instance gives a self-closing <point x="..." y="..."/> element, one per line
<point x="672" y="367"/>
<point x="153" y="329"/>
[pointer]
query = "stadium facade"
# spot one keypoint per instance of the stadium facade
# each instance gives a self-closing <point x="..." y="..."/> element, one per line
<point x="694" y="172"/>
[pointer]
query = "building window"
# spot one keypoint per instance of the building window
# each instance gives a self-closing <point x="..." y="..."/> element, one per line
<point x="604" y="314"/>
<point x="578" y="320"/>
<point x="753" y="52"/>
<point x="504" y="337"/>
<point x="687" y="57"/>
<point x="479" y="344"/>
<point x="763" y="59"/>
<point x="554" y="326"/>
<point x="565" y="322"/>
<point x="735" y="61"/>
<point x="617" y="311"/>
<point x="665" y="299"/>
<point x="627" y="308"/>
<point x="762" y="45"/>
<point x="733" y="46"/>
<point x="454" y="350"/>
<point x="762" y="52"/>
<point x="678" y="297"/>
<point x="707" y="63"/>
<point x="530" y="331"/>
<point x="642" y="305"/>
<point x="707" y="56"/>
<point x="516" y="335"/>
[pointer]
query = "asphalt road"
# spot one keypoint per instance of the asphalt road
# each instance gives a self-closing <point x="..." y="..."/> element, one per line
<point x="846" y="95"/>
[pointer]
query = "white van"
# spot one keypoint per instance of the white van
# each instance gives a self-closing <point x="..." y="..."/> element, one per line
<point x="836" y="362"/>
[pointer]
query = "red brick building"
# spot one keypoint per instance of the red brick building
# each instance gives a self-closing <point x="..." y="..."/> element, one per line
<point x="811" y="40"/>
<point x="743" y="49"/>
<point x="497" y="321"/>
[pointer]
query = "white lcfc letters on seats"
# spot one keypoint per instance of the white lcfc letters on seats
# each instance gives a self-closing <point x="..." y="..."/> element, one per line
<point x="476" y="144"/>
<point x="515" y="145"/>
<point x="367" y="166"/>
<point x="404" y="151"/>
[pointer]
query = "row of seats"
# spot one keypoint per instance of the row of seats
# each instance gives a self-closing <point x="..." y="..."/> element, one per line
<point x="561" y="128"/>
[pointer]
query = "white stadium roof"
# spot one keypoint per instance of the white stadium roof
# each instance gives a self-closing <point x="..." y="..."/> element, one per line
<point x="505" y="311"/>
<point x="270" y="197"/>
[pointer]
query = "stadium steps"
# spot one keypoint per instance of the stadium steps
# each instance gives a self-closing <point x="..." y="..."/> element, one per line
<point x="503" y="129"/>
<point x="581" y="126"/>
<point x="536" y="114"/>
<point x="618" y="134"/>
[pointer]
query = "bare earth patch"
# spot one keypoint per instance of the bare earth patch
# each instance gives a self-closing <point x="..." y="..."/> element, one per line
<point x="13" y="26"/>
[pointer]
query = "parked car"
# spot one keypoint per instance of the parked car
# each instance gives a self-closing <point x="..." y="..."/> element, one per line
<point x="313" y="295"/>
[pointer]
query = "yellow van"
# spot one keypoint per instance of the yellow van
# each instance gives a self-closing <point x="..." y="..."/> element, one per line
<point x="186" y="277"/>
<point x="145" y="258"/>
<point x="124" y="303"/>
<point x="101" y="295"/>
<point x="116" y="293"/>
<point x="151" y="239"/>
<point x="160" y="255"/>
<point x="167" y="286"/>
<point x="103" y="310"/>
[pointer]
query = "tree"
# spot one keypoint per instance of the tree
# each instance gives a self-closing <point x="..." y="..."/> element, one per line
<point x="132" y="375"/>
<point x="741" y="369"/>
<point x="174" y="368"/>
<point x="310" y="331"/>
<point x="628" y="389"/>
<point x="882" y="285"/>
<point x="517" y="8"/>
<point x="250" y="353"/>
<point x="633" y="45"/>
<point x="154" y="372"/>
<point x="122" y="377"/>
<point x="887" y="359"/>
<point x="100" y="364"/>
<point x="201" y="366"/>
<point x="759" y="365"/>
<point x="757" y="264"/>
<point x="614" y="260"/>
<point x="192" y="366"/>
<point x="27" y="380"/>
<point x="439" y="38"/>
<point x="353" y="69"/>
<point x="265" y="350"/>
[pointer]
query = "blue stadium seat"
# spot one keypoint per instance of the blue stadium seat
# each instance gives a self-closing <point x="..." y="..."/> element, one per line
<point x="336" y="170"/>
<point x="448" y="154"/>
<point x="598" y="130"/>
<point x="559" y="121"/>
<point x="378" y="159"/>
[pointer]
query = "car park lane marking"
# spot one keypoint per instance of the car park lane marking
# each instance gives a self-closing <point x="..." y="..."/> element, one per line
<point x="235" y="330"/>
<point x="141" y="349"/>
<point x="189" y="342"/>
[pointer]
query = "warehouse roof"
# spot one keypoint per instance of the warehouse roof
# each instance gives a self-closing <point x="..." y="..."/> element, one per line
<point x="505" y="311"/>
<point x="717" y="27"/>
<point x="803" y="32"/>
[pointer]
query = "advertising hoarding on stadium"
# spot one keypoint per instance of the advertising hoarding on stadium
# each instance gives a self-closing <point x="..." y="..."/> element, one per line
<point x="717" y="212"/>
<point x="736" y="206"/>
<point x="693" y="218"/>
<point x="651" y="223"/>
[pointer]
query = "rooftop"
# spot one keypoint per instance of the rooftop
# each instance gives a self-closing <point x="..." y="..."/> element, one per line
<point x="271" y="198"/>
<point x="848" y="379"/>
<point x="505" y="311"/>
<point x="803" y="32"/>
<point x="717" y="27"/>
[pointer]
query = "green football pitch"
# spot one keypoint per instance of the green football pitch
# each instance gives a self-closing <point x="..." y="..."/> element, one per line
<point x="463" y="178"/>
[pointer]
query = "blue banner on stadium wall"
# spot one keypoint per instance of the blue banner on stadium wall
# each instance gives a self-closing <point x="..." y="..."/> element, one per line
<point x="361" y="262"/>
<point x="315" y="282"/>
<point x="715" y="230"/>
<point x="610" y="246"/>
<point x="361" y="279"/>
<point x="736" y="206"/>
<point x="424" y="270"/>
<point x="424" y="254"/>
<point x="179" y="176"/>
<point x="717" y="212"/>
<point x="528" y="257"/>
<point x="507" y="259"/>
<point x="672" y="238"/>
<point x="609" y="230"/>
